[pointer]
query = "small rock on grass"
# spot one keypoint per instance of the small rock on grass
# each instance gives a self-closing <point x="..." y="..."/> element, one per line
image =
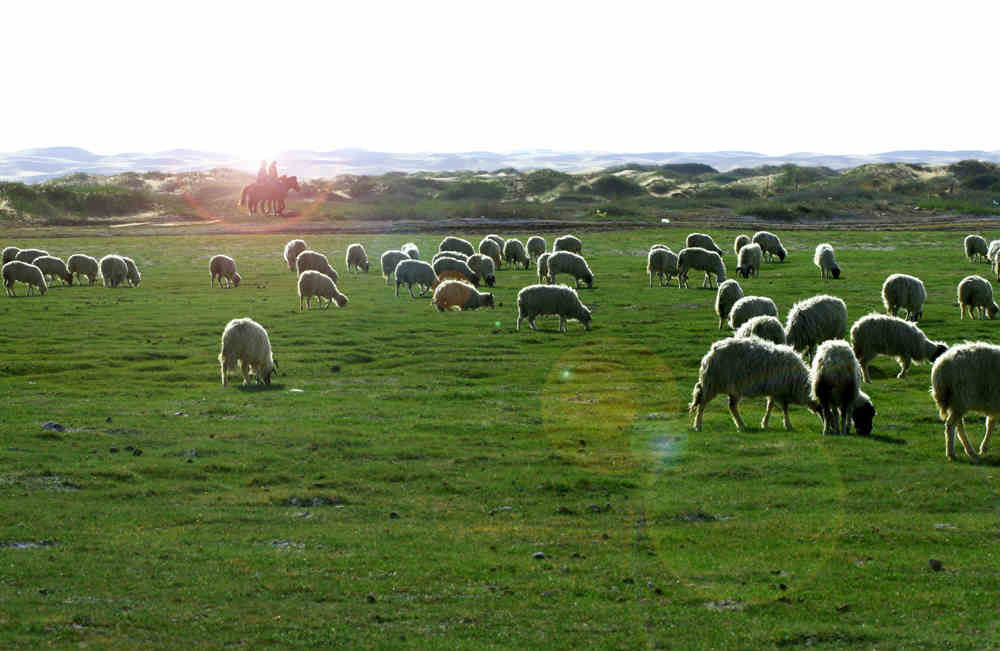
<point x="538" y="556"/>
<point x="936" y="565"/>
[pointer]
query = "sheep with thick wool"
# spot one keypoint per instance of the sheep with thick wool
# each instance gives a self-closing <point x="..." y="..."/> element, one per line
<point x="415" y="272"/>
<point x="976" y="293"/>
<point x="224" y="268"/>
<point x="701" y="259"/>
<point x="444" y="264"/>
<point x="535" y="246"/>
<point x="452" y="243"/>
<point x="750" y="367"/>
<point x="389" y="260"/>
<point x="740" y="241"/>
<point x="454" y="255"/>
<point x="80" y="265"/>
<point x="662" y="263"/>
<point x="561" y="300"/>
<point x="313" y="283"/>
<point x="9" y="253"/>
<point x="703" y="241"/>
<point x="411" y="250"/>
<point x="496" y="238"/>
<point x="514" y="253"/>
<point x="25" y="272"/>
<point x="883" y="334"/>
<point x="458" y="294"/>
<point x="482" y="265"/>
<point x="825" y="260"/>
<point x="114" y="270"/>
<point x="356" y="258"/>
<point x="568" y="243"/>
<point x="52" y="267"/>
<point x="770" y="244"/>
<point x="291" y="253"/>
<point x="748" y="307"/>
<point x="836" y="386"/>
<point x="729" y="292"/>
<point x="542" y="266"/>
<point x="245" y="344"/>
<point x="764" y="326"/>
<point x="314" y="260"/>
<point x="906" y="292"/>
<point x="976" y="247"/>
<point x="567" y="262"/>
<point x="489" y="247"/>
<point x="814" y="320"/>
<point x="29" y="255"/>
<point x="132" y="274"/>
<point x="991" y="251"/>
<point x="749" y="259"/>
<point x="965" y="379"/>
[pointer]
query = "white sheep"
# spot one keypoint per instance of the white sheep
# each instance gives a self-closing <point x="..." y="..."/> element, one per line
<point x="457" y="294"/>
<point x="53" y="267"/>
<point x="357" y="258"/>
<point x="492" y="249"/>
<point x="313" y="283"/>
<point x="291" y="253"/>
<point x="904" y="291"/>
<point x="836" y="386"/>
<point x="814" y="320"/>
<point x="567" y="262"/>
<point x="729" y="292"/>
<point x="389" y="260"/>
<point x="452" y="243"/>
<point x="482" y="265"/>
<point x="567" y="243"/>
<point x="750" y="367"/>
<point x="702" y="241"/>
<point x="764" y="326"/>
<point x="415" y="272"/>
<point x="81" y="265"/>
<point x="9" y="253"/>
<point x="996" y="267"/>
<point x="542" y="265"/>
<point x="133" y="276"/>
<point x="740" y="241"/>
<point x="441" y="265"/>
<point x="496" y="238"/>
<point x="562" y="300"/>
<point x="535" y="246"/>
<point x="411" y="250"/>
<point x="962" y="380"/>
<point x="224" y="268"/>
<point x="976" y="247"/>
<point x="824" y="259"/>
<point x="883" y="334"/>
<point x="454" y="255"/>
<point x="748" y="307"/>
<point x="513" y="253"/>
<point x="114" y="270"/>
<point x="991" y="252"/>
<point x="770" y="244"/>
<point x="315" y="261"/>
<point x="29" y="255"/>
<point x="748" y="260"/>
<point x="245" y="344"/>
<point x="975" y="292"/>
<point x="662" y="263"/>
<point x="703" y="260"/>
<point x="25" y="272"/>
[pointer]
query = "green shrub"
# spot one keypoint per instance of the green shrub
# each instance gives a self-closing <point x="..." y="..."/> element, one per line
<point x="474" y="190"/>
<point x="614" y="187"/>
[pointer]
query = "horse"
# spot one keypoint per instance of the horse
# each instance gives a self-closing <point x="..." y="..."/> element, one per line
<point x="272" y="192"/>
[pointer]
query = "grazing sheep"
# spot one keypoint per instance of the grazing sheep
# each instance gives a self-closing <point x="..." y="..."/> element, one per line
<point x="496" y="238"/>
<point x="133" y="276"/>
<point x="224" y="268"/>
<point x="814" y="320"/>
<point x="389" y="260"/>
<point x="313" y="283"/>
<point x="568" y="243"/>
<point x="991" y="252"/>
<point x="702" y="241"/>
<point x="454" y="255"/>
<point x="729" y="292"/>
<point x="882" y="334"/>
<point x="357" y="258"/>
<point x="748" y="307"/>
<point x="962" y="380"/>
<point x="245" y="344"/>
<point x="53" y="267"/>
<point x="567" y="262"/>
<point x="24" y="272"/>
<point x="452" y="243"/>
<point x="976" y="292"/>
<point x="766" y="327"/>
<point x="748" y="260"/>
<point x="996" y="267"/>
<point x="482" y="265"/>
<point x="976" y="247"/>
<point x="29" y="255"/>
<point x="660" y="246"/>
<point x="442" y="265"/>
<point x="662" y="263"/>
<point x="535" y="246"/>
<point x="534" y="300"/>
<point x="836" y="385"/>
<point x="770" y="244"/>
<point x="315" y="261"/>
<point x="292" y="251"/>
<point x="456" y="294"/>
<point x="83" y="265"/>
<point x="411" y="250"/>
<point x="114" y="270"/>
<point x="513" y="253"/>
<point x="746" y="368"/>
<point x="9" y="253"/>
<point x="492" y="249"/>
<point x="415" y="272"/>
<point x="702" y="259"/>
<point x="823" y="258"/>
<point x="903" y="291"/>
<point x="542" y="264"/>
<point x="740" y="242"/>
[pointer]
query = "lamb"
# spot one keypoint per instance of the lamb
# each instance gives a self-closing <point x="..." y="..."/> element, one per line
<point x="976" y="292"/>
<point x="976" y="247"/>
<point x="703" y="241"/>
<point x="765" y="326"/>
<point x="292" y="251"/>
<point x="770" y="244"/>
<point x="83" y="265"/>
<point x="224" y="268"/>
<point x="454" y="255"/>
<point x="133" y="276"/>
<point x="442" y="265"/>
<point x="25" y="272"/>
<point x="389" y="260"/>
<point x="513" y="253"/>
<point x="903" y="291"/>
<point x="315" y="261"/>
<point x="29" y="255"/>
<point x="748" y="307"/>
<point x="882" y="334"/>
<point x="814" y="320"/>
<point x="991" y="252"/>
<point x="411" y="250"/>
<point x="567" y="262"/>
<point x="534" y="300"/>
<point x="535" y="246"/>
<point x="114" y="270"/>
<point x="568" y="243"/>
<point x="492" y="249"/>
<point x="313" y="283"/>
<point x="357" y="258"/>
<point x="415" y="272"/>
<point x="729" y="292"/>
<point x="661" y="263"/>
<point x="963" y="380"/>
<point x="451" y="294"/>
<point x="749" y="259"/>
<point x="451" y="243"/>
<point x="53" y="267"/>
<point x="777" y="372"/>
<point x="823" y="258"/>
<point x="740" y="242"/>
<point x="702" y="259"/>
<point x="542" y="264"/>
<point x="836" y="385"/>
<point x="9" y="253"/>
<point x="245" y="344"/>
<point x="482" y="265"/>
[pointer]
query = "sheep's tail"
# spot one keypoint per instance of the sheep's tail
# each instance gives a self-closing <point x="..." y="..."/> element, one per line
<point x="243" y="196"/>
<point x="942" y="396"/>
<point x="696" y="397"/>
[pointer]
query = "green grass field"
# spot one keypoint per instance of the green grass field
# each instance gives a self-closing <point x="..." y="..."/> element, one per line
<point x="416" y="479"/>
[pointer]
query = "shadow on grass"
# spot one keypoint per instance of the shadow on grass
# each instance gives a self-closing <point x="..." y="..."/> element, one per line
<point x="259" y="388"/>
<point x="885" y="439"/>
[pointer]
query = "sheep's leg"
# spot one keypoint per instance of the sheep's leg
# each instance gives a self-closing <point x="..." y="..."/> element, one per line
<point x="787" y="422"/>
<point x="222" y="366"/>
<point x="965" y="440"/>
<point x="531" y="322"/>
<point x="563" y="325"/>
<point x="698" y="416"/>
<point x="961" y="312"/>
<point x="991" y="422"/>
<point x="864" y="371"/>
<point x="397" y="287"/>
<point x="767" y="414"/>
<point x="734" y="409"/>
<point x="409" y="287"/>
<point x="519" y="320"/>
<point x="904" y="366"/>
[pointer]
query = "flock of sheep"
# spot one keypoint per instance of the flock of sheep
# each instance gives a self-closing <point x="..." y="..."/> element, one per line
<point x="33" y="266"/>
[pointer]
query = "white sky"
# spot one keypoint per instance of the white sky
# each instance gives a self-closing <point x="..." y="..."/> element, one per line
<point x="251" y="78"/>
